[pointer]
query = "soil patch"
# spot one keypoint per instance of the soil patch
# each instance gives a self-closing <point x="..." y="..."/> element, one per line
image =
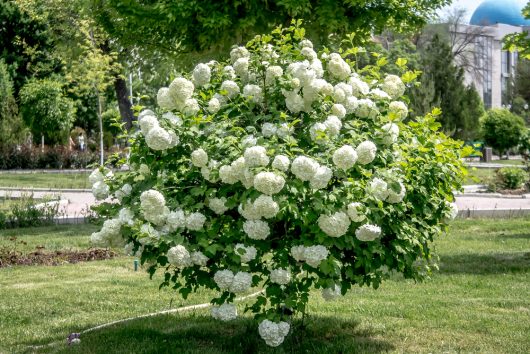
<point x="12" y="258"/>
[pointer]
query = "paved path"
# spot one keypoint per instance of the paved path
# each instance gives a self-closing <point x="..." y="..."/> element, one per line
<point x="492" y="165"/>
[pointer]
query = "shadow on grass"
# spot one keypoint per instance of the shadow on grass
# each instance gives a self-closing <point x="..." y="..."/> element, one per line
<point x="494" y="263"/>
<point x="515" y="236"/>
<point x="201" y="334"/>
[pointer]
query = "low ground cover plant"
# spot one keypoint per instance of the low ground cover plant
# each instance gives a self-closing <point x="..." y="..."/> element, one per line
<point x="287" y="169"/>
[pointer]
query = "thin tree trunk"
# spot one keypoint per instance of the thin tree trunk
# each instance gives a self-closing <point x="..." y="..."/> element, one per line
<point x="124" y="104"/>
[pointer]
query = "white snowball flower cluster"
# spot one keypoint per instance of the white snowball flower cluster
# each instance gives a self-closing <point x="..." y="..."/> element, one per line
<point x="396" y="197"/>
<point x="268" y="183"/>
<point x="393" y="86"/>
<point x="280" y="276"/>
<point x="334" y="225"/>
<point x="399" y="109"/>
<point x="390" y="133"/>
<point x="195" y="221"/>
<point x="268" y="130"/>
<point x="355" y="212"/>
<point x="338" y="67"/>
<point x="109" y="235"/>
<point x="201" y="75"/>
<point x="225" y="312"/>
<point x="345" y="157"/>
<point x="235" y="283"/>
<point x="247" y="253"/>
<point x="100" y="189"/>
<point x="452" y="211"/>
<point x="218" y="205"/>
<point x="332" y="293"/>
<point x="256" y="229"/>
<point x="273" y="333"/>
<point x="253" y="92"/>
<point x="366" y="152"/>
<point x="312" y="255"/>
<point x="179" y="256"/>
<point x="256" y="156"/>
<point x="153" y="205"/>
<point x="272" y="73"/>
<point x="199" y="258"/>
<point x="368" y="232"/>
<point x="263" y="207"/>
<point x="230" y="87"/>
<point x="281" y="162"/>
<point x="304" y="168"/>
<point x="199" y="158"/>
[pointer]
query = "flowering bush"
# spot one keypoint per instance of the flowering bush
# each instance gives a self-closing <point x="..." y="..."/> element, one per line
<point x="282" y="169"/>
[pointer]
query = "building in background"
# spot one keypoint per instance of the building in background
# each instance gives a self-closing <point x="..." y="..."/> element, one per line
<point x="486" y="64"/>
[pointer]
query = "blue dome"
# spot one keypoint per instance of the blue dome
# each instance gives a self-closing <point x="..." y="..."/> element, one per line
<point x="507" y="12"/>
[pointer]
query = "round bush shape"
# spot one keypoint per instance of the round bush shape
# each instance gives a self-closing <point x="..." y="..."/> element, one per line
<point x="254" y="196"/>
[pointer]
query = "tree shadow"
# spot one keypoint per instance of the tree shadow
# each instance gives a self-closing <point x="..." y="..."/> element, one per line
<point x="494" y="263"/>
<point x="515" y="236"/>
<point x="190" y="333"/>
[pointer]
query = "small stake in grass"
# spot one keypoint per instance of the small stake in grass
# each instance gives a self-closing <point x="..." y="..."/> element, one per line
<point x="135" y="265"/>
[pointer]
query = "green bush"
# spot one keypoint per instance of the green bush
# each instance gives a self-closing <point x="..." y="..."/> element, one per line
<point x="46" y="110"/>
<point x="512" y="177"/>
<point x="25" y="214"/>
<point x="501" y="129"/>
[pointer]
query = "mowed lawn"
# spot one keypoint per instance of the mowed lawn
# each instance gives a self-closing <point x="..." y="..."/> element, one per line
<point x="478" y="302"/>
<point x="45" y="180"/>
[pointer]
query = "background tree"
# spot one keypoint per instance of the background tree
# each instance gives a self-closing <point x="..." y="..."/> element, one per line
<point x="46" y="111"/>
<point x="520" y="41"/>
<point x="501" y="129"/>
<point x="11" y="126"/>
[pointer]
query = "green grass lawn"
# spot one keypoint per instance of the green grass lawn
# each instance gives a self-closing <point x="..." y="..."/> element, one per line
<point x="45" y="180"/>
<point x="479" y="175"/>
<point x="509" y="162"/>
<point x="477" y="302"/>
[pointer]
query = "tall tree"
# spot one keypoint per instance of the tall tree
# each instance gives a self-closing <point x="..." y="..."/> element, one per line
<point x="11" y="126"/>
<point x="520" y="41"/>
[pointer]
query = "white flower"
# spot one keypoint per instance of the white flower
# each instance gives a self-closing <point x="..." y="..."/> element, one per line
<point x="153" y="206"/>
<point x="390" y="133"/>
<point x="334" y="225"/>
<point x="451" y="211"/>
<point x="399" y="109"/>
<point x="181" y="90"/>
<point x="293" y="101"/>
<point x="308" y="53"/>
<point x="304" y="168"/>
<point x="225" y="312"/>
<point x="368" y="232"/>
<point x="272" y="73"/>
<point x="214" y="105"/>
<point x="149" y="234"/>
<point x="245" y="253"/>
<point x="173" y="119"/>
<point x="175" y="220"/>
<point x="313" y="255"/>
<point x="238" y="52"/>
<point x="378" y="188"/>
<point x="337" y="67"/>
<point x="355" y="212"/>
<point x="241" y="283"/>
<point x="333" y="125"/>
<point x="332" y="293"/>
<point x="281" y="162"/>
<point x="396" y="197"/>
<point x="345" y="157"/>
<point x="147" y="123"/>
<point x="341" y="91"/>
<point x="198" y="258"/>
<point x="158" y="139"/>
<point x="144" y="170"/>
<point x="302" y="71"/>
<point x="201" y="75"/>
<point x="227" y="175"/>
<point x="96" y="176"/>
<point x="268" y="183"/>
<point x="241" y="67"/>
<point x="190" y="107"/>
<point x="256" y="156"/>
<point x="338" y="110"/>
<point x="206" y="171"/>
<point x="254" y="92"/>
<point x="195" y="221"/>
<point x="298" y="253"/>
<point x="145" y="112"/>
<point x="179" y="256"/>
<point x="199" y="158"/>
<point x="273" y="333"/>
<point x="164" y="99"/>
<point x="284" y="131"/>
<point x="268" y="130"/>
<point x="280" y="276"/>
<point x="306" y="43"/>
<point x="126" y="216"/>
<point x="249" y="141"/>
<point x="366" y="108"/>
<point x="321" y="178"/>
<point x="100" y="190"/>
<point x="351" y="103"/>
<point x="230" y="87"/>
<point x="229" y="72"/>
<point x="318" y="133"/>
<point x="256" y="229"/>
<point x="109" y="235"/>
<point x="366" y="152"/>
<point x="248" y="211"/>
<point x="266" y="207"/>
<point x="393" y="86"/>
<point x="218" y="205"/>
<point x="359" y="87"/>
<point x="379" y="94"/>
<point x="223" y="279"/>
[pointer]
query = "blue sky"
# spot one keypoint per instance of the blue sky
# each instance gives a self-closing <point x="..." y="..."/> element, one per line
<point x="471" y="5"/>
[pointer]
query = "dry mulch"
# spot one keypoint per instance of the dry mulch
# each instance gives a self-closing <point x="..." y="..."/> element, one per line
<point x="39" y="257"/>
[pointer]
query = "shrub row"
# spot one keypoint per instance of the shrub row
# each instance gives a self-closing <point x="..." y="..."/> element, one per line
<point x="52" y="157"/>
<point x="26" y="214"/>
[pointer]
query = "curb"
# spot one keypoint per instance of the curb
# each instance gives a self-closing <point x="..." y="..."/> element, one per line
<point x="492" y="213"/>
<point x="29" y="189"/>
